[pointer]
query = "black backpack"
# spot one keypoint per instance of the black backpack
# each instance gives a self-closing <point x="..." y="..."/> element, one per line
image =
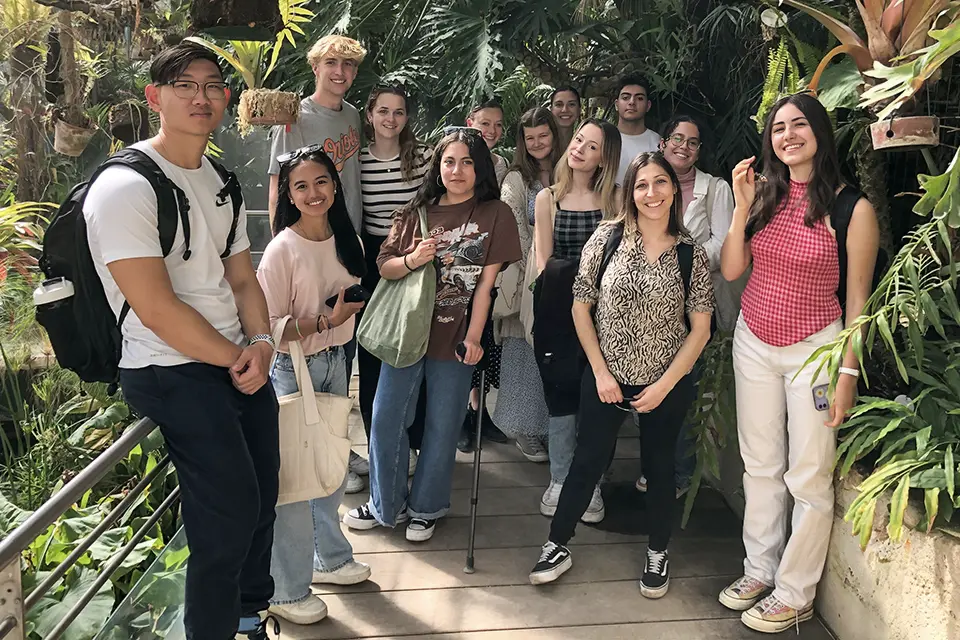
<point x="83" y="330"/>
<point x="840" y="216"/>
<point x="684" y="257"/>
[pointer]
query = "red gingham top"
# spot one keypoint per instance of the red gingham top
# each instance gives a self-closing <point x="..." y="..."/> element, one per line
<point x="792" y="292"/>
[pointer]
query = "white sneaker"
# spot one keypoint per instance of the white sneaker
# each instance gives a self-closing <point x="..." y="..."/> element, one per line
<point x="355" y="483"/>
<point x="595" y="511"/>
<point x="351" y="573"/>
<point x="358" y="464"/>
<point x="420" y="529"/>
<point x="414" y="458"/>
<point x="548" y="503"/>
<point x="307" y="611"/>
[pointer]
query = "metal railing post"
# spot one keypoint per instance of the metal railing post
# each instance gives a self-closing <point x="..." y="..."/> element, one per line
<point x="11" y="601"/>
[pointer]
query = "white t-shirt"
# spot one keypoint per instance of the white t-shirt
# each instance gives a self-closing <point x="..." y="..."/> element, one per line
<point x="632" y="146"/>
<point x="121" y="215"/>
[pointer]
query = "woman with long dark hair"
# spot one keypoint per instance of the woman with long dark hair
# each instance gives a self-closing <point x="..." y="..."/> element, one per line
<point x="315" y="254"/>
<point x="392" y="168"/>
<point x="471" y="236"/>
<point x="632" y="320"/>
<point x="521" y="409"/>
<point x="783" y="224"/>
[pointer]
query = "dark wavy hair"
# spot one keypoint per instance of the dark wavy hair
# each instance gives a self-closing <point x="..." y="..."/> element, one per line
<point x="628" y="206"/>
<point x="523" y="162"/>
<point x="822" y="189"/>
<point x="485" y="188"/>
<point x="667" y="130"/>
<point x="346" y="240"/>
<point x="409" y="147"/>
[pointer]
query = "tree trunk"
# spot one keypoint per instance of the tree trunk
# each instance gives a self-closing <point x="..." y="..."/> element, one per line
<point x="26" y="65"/>
<point x="872" y="174"/>
<point x="70" y="73"/>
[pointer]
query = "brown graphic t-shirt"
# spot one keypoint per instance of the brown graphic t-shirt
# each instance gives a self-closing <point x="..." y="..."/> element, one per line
<point x="469" y="236"/>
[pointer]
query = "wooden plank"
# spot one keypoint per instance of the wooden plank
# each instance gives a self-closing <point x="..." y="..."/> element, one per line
<point x="429" y="569"/>
<point x="562" y="604"/>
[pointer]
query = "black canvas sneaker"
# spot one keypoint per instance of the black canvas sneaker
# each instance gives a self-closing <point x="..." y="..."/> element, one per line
<point x="554" y="561"/>
<point x="656" y="575"/>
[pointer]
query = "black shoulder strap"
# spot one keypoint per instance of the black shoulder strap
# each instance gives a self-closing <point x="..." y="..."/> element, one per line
<point x="231" y="189"/>
<point x="840" y="217"/>
<point x="172" y="204"/>
<point x="685" y="258"/>
<point x="609" y="248"/>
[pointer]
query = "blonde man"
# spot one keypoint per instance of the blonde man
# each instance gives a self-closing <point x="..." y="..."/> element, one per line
<point x="330" y="121"/>
<point x="327" y="119"/>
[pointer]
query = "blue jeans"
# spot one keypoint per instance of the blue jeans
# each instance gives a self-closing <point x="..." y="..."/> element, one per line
<point x="561" y="445"/>
<point x="448" y="388"/>
<point x="307" y="534"/>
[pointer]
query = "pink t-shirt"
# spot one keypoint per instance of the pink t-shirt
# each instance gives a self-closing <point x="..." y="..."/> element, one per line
<point x="297" y="276"/>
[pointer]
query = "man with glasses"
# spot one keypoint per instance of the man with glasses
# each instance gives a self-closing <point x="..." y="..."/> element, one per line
<point x="633" y="102"/>
<point x="196" y="343"/>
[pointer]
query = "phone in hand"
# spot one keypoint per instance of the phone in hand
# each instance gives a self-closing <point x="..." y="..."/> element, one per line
<point x="356" y="293"/>
<point x="820" y="400"/>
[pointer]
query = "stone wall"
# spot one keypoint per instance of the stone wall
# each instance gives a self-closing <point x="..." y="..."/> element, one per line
<point x="891" y="591"/>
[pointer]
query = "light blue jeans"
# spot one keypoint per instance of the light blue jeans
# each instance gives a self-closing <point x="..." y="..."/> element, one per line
<point x="561" y="445"/>
<point x="448" y="388"/>
<point x="307" y="535"/>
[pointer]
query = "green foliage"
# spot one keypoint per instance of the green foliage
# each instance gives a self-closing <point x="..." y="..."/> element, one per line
<point x="713" y="417"/>
<point x="915" y="315"/>
<point x="783" y="78"/>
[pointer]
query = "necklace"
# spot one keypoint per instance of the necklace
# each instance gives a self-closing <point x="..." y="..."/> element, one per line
<point x="303" y="232"/>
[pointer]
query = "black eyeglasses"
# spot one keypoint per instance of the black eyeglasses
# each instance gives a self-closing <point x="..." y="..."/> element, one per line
<point x="188" y="89"/>
<point x="289" y="156"/>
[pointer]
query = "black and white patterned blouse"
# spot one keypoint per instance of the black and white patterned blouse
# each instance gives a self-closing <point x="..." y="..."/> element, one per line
<point x="640" y="306"/>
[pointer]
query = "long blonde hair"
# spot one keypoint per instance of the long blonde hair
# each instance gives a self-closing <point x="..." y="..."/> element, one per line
<point x="604" y="179"/>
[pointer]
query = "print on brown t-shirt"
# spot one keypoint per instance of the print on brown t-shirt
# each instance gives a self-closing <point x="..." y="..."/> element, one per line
<point x="469" y="236"/>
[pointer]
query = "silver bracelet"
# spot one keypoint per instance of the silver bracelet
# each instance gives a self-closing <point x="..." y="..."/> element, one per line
<point x="264" y="337"/>
<point x="850" y="372"/>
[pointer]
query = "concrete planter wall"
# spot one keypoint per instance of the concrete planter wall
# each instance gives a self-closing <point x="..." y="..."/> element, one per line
<point x="892" y="591"/>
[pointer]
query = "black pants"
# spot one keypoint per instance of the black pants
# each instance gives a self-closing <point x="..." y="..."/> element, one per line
<point x="598" y="424"/>
<point x="369" y="364"/>
<point x="225" y="448"/>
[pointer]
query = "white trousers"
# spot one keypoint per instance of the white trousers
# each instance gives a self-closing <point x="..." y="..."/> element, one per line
<point x="785" y="448"/>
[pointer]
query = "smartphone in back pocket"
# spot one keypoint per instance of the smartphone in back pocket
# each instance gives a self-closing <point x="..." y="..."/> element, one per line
<point x="820" y="400"/>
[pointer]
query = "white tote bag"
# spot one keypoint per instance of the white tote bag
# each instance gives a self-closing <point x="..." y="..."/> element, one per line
<point x="314" y="447"/>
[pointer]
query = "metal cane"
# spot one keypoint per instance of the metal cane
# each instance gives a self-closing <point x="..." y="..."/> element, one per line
<point x="475" y="491"/>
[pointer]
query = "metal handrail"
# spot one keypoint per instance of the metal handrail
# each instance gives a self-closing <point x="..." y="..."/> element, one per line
<point x="48" y="513"/>
<point x="40" y="520"/>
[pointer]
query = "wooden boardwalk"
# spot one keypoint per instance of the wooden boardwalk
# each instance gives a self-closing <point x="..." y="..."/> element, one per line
<point x="420" y="590"/>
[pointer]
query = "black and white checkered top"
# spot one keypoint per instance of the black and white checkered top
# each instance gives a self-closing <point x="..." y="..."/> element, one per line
<point x="571" y="230"/>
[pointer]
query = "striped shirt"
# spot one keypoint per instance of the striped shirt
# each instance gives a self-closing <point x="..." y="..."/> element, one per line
<point x="384" y="190"/>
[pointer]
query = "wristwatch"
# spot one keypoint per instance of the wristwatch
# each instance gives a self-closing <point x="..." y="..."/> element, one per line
<point x="264" y="337"/>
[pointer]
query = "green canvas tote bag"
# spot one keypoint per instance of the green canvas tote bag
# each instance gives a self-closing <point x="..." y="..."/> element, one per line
<point x="396" y="323"/>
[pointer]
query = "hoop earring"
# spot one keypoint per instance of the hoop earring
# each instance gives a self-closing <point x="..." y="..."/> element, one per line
<point x="439" y="182"/>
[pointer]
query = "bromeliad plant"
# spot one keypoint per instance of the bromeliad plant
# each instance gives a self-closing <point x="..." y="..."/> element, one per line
<point x="898" y="32"/>
<point x="255" y="61"/>
<point x="913" y="444"/>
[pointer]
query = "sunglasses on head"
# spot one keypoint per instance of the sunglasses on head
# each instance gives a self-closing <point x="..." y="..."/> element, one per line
<point x="284" y="158"/>
<point x="456" y="129"/>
